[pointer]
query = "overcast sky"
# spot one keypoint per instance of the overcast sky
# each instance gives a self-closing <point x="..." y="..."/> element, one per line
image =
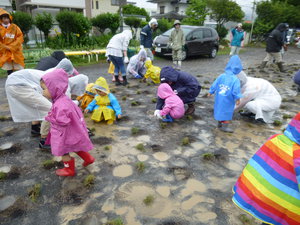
<point x="245" y="4"/>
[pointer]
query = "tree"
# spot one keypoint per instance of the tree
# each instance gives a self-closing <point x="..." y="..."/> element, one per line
<point x="223" y="11"/>
<point x="134" y="10"/>
<point x="164" y="25"/>
<point x="106" y="20"/>
<point x="44" y="23"/>
<point x="133" y="22"/>
<point x="196" y="13"/>
<point x="24" y="21"/>
<point x="72" y="22"/>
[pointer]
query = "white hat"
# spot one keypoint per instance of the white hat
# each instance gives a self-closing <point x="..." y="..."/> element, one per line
<point x="153" y="21"/>
<point x="240" y="25"/>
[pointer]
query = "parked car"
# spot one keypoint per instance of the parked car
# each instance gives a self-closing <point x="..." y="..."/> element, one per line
<point x="199" y="41"/>
<point x="290" y="36"/>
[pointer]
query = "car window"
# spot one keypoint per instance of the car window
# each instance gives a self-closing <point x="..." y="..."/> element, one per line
<point x="207" y="33"/>
<point x="184" y="29"/>
<point x="198" y="34"/>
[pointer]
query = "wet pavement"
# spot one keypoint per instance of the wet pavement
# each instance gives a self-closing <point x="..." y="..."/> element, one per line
<point x="146" y="172"/>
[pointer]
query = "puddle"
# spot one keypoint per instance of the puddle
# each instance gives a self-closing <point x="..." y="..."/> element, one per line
<point x="192" y="185"/>
<point x="142" y="157"/>
<point x="161" y="156"/>
<point x="122" y="171"/>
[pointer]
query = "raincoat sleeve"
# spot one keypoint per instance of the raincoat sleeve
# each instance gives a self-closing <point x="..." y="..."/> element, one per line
<point x="213" y="87"/>
<point x="236" y="90"/>
<point x="148" y="72"/>
<point x="125" y="44"/>
<point x="166" y="110"/>
<point x="143" y="36"/>
<point x="15" y="45"/>
<point x="92" y="105"/>
<point x="59" y="117"/>
<point x="115" y="104"/>
<point x="297" y="166"/>
<point x="183" y="39"/>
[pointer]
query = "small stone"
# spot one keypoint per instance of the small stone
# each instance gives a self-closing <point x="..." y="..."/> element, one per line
<point x="9" y="147"/>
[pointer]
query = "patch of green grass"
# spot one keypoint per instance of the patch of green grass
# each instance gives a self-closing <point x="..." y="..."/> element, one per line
<point x="185" y="141"/>
<point x="277" y="123"/>
<point x="163" y="125"/>
<point x="140" y="147"/>
<point x="135" y="103"/>
<point x="124" y="98"/>
<point x="3" y="73"/>
<point x="49" y="164"/>
<point x="245" y="220"/>
<point x="199" y="75"/>
<point x="107" y="148"/>
<point x="138" y="92"/>
<point x="34" y="192"/>
<point x="283" y="107"/>
<point x="89" y="180"/>
<point x="93" y="129"/>
<point x="204" y="87"/>
<point x="135" y="130"/>
<point x="284" y="100"/>
<point x="148" y="83"/>
<point x="206" y="82"/>
<point x="287" y="116"/>
<point x="154" y="100"/>
<point x="148" y="200"/>
<point x="208" y="156"/>
<point x="3" y="176"/>
<point x="117" y="221"/>
<point x="113" y="91"/>
<point x="86" y="115"/>
<point x="190" y="118"/>
<point x="140" y="166"/>
<point x="5" y="118"/>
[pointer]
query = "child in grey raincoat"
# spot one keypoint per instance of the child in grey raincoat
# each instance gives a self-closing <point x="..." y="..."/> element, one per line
<point x="177" y="42"/>
<point x="136" y="66"/>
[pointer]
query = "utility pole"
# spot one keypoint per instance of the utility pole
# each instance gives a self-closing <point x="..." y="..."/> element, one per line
<point x="252" y="20"/>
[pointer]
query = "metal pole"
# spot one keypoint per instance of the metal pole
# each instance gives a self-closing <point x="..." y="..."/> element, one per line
<point x="252" y="19"/>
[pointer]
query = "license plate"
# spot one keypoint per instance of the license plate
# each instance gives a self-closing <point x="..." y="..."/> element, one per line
<point x="158" y="49"/>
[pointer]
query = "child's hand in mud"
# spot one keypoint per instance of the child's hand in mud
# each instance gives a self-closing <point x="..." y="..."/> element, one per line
<point x="119" y="116"/>
<point x="86" y="111"/>
<point x="209" y="94"/>
<point x="238" y="102"/>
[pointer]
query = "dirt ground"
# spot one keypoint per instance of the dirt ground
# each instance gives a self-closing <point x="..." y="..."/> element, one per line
<point x="146" y="172"/>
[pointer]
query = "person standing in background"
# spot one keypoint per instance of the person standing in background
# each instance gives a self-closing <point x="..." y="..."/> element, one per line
<point x="146" y="37"/>
<point x="177" y="42"/>
<point x="11" y="39"/>
<point x="237" y="39"/>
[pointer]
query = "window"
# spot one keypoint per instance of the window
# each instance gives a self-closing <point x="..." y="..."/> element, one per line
<point x="92" y="4"/>
<point x="162" y="9"/>
<point x="198" y="34"/>
<point x="97" y="4"/>
<point x="114" y="2"/>
<point x="177" y="9"/>
<point x="207" y="33"/>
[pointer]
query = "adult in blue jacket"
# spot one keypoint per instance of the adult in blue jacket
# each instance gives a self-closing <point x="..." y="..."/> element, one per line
<point x="237" y="38"/>
<point x="184" y="85"/>
<point x="146" y="37"/>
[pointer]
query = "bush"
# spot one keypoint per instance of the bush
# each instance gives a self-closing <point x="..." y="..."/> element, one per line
<point x="106" y="20"/>
<point x="222" y="31"/>
<point x="164" y="25"/>
<point x="75" y="28"/>
<point x="133" y="22"/>
<point x="24" y="21"/>
<point x="44" y="23"/>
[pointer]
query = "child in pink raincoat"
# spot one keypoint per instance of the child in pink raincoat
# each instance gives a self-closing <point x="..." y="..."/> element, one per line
<point x="173" y="107"/>
<point x="68" y="131"/>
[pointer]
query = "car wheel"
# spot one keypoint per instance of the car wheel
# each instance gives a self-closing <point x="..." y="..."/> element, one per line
<point x="213" y="53"/>
<point x="184" y="55"/>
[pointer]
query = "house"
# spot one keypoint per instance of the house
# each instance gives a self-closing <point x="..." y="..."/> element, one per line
<point x="170" y="9"/>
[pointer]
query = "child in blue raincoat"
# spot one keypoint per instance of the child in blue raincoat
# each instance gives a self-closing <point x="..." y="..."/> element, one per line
<point x="227" y="93"/>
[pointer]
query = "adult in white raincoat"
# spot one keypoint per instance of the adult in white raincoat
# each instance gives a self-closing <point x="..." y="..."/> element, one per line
<point x="116" y="51"/>
<point x="260" y="98"/>
<point x="136" y="66"/>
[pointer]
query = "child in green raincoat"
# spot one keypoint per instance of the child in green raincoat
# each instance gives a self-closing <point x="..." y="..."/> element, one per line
<point x="105" y="106"/>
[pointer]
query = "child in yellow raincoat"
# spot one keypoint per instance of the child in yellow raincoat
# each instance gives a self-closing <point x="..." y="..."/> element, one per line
<point x="87" y="97"/>
<point x="153" y="72"/>
<point x="105" y="106"/>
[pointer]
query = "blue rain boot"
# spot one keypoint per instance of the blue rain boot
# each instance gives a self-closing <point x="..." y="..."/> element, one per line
<point x="168" y="119"/>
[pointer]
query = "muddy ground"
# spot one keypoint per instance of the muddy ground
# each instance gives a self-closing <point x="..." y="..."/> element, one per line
<point x="146" y="172"/>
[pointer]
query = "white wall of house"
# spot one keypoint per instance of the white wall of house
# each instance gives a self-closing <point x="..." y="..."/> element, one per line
<point x="104" y="6"/>
<point x="172" y="7"/>
<point x="61" y="3"/>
